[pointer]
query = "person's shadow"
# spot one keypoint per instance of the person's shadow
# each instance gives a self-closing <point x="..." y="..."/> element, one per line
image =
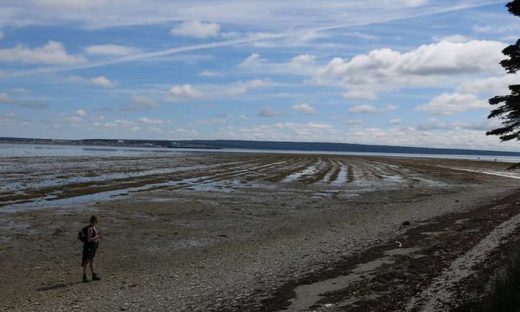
<point x="57" y="286"/>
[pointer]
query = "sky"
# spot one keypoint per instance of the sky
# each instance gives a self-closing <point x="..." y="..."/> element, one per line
<point x="391" y="72"/>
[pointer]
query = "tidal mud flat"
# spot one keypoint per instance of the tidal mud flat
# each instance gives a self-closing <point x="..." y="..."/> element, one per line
<point x="255" y="232"/>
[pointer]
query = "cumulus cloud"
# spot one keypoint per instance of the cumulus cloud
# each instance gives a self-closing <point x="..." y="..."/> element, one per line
<point x="433" y="124"/>
<point x="81" y="113"/>
<point x="103" y="81"/>
<point x="207" y="73"/>
<point x="303" y="64"/>
<point x="284" y="131"/>
<point x="211" y="91"/>
<point x="111" y="49"/>
<point x="363" y="109"/>
<point x="441" y="135"/>
<point x="119" y="123"/>
<point x="184" y="91"/>
<point x="488" y="86"/>
<point x="366" y="75"/>
<point x="100" y="81"/>
<point x="242" y="87"/>
<point x="304" y="108"/>
<point x="453" y="38"/>
<point x="196" y="29"/>
<point x="151" y="121"/>
<point x="52" y="52"/>
<point x="450" y="104"/>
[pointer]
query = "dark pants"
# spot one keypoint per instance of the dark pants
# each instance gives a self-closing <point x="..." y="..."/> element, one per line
<point x="89" y="252"/>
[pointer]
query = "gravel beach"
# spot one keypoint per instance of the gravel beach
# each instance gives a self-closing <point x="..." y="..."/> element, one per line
<point x="254" y="232"/>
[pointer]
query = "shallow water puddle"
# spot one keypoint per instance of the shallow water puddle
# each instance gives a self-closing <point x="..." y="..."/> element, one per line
<point x="77" y="201"/>
<point x="342" y="176"/>
<point x="308" y="295"/>
<point x="307" y="171"/>
<point x="395" y="178"/>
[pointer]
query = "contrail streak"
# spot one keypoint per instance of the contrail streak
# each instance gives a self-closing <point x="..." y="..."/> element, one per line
<point x="250" y="39"/>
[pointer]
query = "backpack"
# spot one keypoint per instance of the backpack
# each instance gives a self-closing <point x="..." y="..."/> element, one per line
<point x="83" y="234"/>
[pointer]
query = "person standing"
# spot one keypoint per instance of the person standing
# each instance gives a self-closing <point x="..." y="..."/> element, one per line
<point x="90" y="237"/>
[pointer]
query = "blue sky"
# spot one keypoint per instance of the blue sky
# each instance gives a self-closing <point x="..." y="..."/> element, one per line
<point x="400" y="72"/>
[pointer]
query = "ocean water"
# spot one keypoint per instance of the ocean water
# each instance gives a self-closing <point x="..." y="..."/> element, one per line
<point x="43" y="150"/>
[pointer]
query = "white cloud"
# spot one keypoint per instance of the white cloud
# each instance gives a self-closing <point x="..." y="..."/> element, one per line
<point x="81" y="113"/>
<point x="188" y="91"/>
<point x="111" y="49"/>
<point x="242" y="87"/>
<point x="450" y="104"/>
<point x="120" y="123"/>
<point x="395" y="121"/>
<point x="327" y="15"/>
<point x="507" y="28"/>
<point x="100" y="81"/>
<point x="303" y="39"/>
<point x="433" y="124"/>
<point x="72" y="5"/>
<point x="363" y="109"/>
<point x="52" y="52"/>
<point x="103" y="81"/>
<point x="488" y="86"/>
<point x="184" y="91"/>
<point x="414" y="3"/>
<point x="285" y="14"/>
<point x="441" y="135"/>
<point x="73" y="119"/>
<point x="304" y="108"/>
<point x="196" y="29"/>
<point x="4" y="98"/>
<point x="252" y="61"/>
<point x="303" y="64"/>
<point x="453" y="38"/>
<point x="366" y="75"/>
<point x="284" y="131"/>
<point x="207" y="73"/>
<point x="361" y="93"/>
<point x="151" y="121"/>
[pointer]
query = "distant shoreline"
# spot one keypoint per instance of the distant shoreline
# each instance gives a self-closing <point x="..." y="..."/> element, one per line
<point x="313" y="147"/>
<point x="20" y="149"/>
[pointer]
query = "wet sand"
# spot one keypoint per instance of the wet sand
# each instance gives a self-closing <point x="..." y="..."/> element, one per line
<point x="253" y="232"/>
